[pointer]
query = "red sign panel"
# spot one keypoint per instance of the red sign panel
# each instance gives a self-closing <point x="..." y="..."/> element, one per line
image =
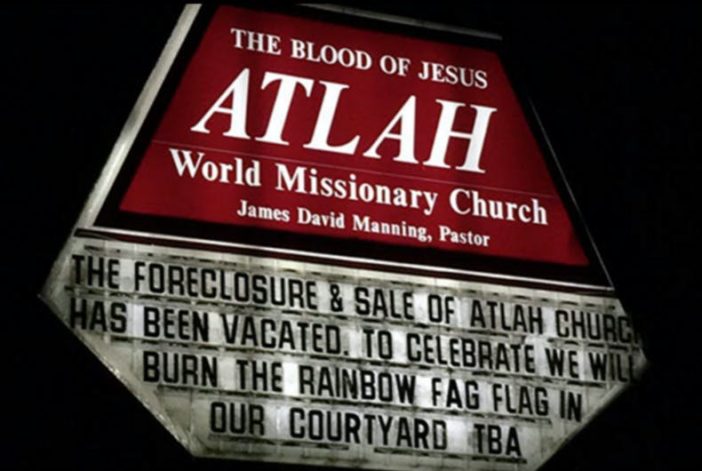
<point x="290" y="124"/>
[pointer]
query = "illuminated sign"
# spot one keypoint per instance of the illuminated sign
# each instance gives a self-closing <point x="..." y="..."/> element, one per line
<point x="328" y="244"/>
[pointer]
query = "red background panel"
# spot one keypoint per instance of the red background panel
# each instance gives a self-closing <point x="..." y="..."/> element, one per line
<point x="513" y="164"/>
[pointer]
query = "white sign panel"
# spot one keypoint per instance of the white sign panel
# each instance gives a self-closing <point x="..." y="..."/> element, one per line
<point x="258" y="358"/>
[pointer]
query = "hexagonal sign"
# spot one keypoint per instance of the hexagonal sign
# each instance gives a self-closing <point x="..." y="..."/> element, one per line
<point x="336" y="238"/>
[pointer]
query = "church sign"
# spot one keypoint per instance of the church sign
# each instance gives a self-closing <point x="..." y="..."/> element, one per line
<point x="342" y="240"/>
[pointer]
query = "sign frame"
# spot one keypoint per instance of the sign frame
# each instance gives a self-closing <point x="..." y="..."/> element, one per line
<point x="193" y="16"/>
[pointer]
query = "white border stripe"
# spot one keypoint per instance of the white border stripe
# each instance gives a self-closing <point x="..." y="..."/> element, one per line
<point x="137" y="116"/>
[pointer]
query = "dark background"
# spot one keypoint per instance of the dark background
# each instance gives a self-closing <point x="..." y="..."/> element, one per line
<point x="617" y="88"/>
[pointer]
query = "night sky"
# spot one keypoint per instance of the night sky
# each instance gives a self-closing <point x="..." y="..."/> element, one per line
<point x="617" y="88"/>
